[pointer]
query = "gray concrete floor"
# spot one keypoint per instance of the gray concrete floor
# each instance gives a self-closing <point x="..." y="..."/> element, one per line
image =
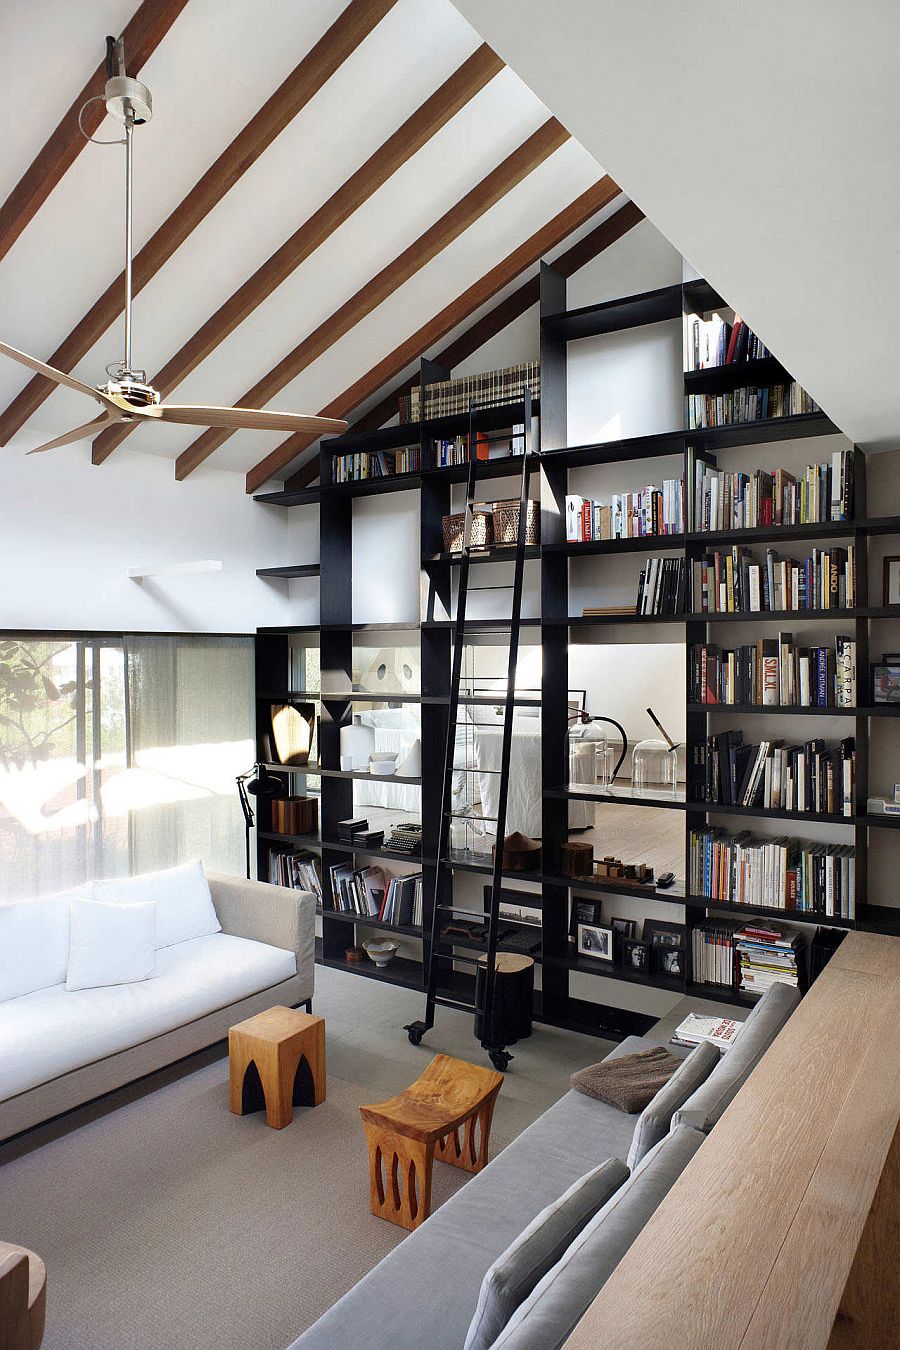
<point x="366" y="1045"/>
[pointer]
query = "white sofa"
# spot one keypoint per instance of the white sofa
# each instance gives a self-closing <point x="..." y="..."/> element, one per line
<point x="60" y="1048"/>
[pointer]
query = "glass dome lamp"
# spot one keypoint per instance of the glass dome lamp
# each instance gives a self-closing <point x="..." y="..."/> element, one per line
<point x="592" y="760"/>
<point x="654" y="764"/>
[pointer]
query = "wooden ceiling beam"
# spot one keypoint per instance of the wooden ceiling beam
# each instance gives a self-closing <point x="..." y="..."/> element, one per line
<point x="488" y="326"/>
<point x="343" y="37"/>
<point x="462" y="86"/>
<point x="492" y="189"/>
<point x="451" y="316"/>
<point x="143" y="33"/>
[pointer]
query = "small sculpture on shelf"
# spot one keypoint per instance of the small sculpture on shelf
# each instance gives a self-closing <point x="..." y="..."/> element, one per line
<point x="624" y="874"/>
<point x="576" y="860"/>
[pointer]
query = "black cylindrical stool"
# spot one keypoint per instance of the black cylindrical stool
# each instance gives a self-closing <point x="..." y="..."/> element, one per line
<point x="513" y="1002"/>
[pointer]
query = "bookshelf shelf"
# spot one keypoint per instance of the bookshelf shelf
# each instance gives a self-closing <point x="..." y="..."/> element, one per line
<point x="406" y="930"/>
<point x="766" y="911"/>
<point x="558" y="632"/>
<point x="614" y="315"/>
<point x="722" y="379"/>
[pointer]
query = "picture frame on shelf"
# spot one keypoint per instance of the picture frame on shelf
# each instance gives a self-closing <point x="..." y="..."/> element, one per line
<point x="886" y="681"/>
<point x="634" y="956"/>
<point x="668" y="961"/>
<point x="585" y="911"/>
<point x="892" y="581"/>
<point x="624" y="928"/>
<point x="595" y="941"/>
<point x="660" y="933"/>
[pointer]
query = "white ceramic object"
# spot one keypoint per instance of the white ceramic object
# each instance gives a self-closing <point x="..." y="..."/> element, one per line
<point x="411" y="765"/>
<point x="382" y="767"/>
<point x="358" y="742"/>
<point x="382" y="952"/>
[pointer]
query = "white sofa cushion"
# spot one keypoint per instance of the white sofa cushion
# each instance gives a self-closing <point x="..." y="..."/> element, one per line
<point x="184" y="907"/>
<point x="110" y="944"/>
<point x="51" y="1031"/>
<point x="34" y="941"/>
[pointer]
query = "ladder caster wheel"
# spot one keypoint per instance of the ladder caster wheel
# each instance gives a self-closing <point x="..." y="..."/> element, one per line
<point x="415" y="1036"/>
<point x="500" y="1059"/>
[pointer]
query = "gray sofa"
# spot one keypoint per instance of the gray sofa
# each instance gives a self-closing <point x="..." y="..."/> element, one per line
<point x="424" y="1293"/>
<point x="265" y="955"/>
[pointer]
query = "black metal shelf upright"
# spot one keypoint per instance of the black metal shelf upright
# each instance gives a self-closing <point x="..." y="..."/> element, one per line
<point x="557" y="627"/>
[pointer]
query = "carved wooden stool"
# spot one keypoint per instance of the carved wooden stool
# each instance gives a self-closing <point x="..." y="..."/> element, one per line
<point x="23" y="1289"/>
<point x="277" y="1060"/>
<point x="406" y="1134"/>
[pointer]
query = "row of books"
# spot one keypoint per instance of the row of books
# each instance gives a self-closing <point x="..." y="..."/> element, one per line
<point x="774" y="672"/>
<point x="445" y="398"/>
<point x="735" y="582"/>
<point x="751" y="403"/>
<point x="815" y="777"/>
<point x="372" y="894"/>
<point x="716" y="342"/>
<point x="360" y="465"/>
<point x="298" y="871"/>
<point x="628" y="515"/>
<point x="742" y="501"/>
<point x="661" y="587"/>
<point x="786" y="874"/>
<point x="751" y="958"/>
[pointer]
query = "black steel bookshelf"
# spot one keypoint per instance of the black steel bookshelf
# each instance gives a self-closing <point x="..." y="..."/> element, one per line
<point x="560" y="326"/>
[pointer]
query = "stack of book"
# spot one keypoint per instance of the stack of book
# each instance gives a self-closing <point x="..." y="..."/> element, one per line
<point x="736" y="582"/>
<point x="715" y="342"/>
<point x="360" y="465"/>
<point x="775" y="672"/>
<point x="298" y="871"/>
<point x="370" y="893"/>
<point x="712" y="953"/>
<point x="814" y="777"/>
<point x="741" y="501"/>
<point x="661" y="587"/>
<point x="753" y="403"/>
<point x="448" y="397"/>
<point x="699" y="1027"/>
<point x="403" y="901"/>
<point x="449" y="452"/>
<point x="628" y="515"/>
<point x="782" y="873"/>
<point x="766" y="955"/>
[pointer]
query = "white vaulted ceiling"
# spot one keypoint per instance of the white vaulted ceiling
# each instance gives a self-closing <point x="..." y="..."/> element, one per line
<point x="217" y="65"/>
<point x="762" y="140"/>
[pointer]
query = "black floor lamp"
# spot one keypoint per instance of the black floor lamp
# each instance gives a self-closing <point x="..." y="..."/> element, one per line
<point x="257" y="782"/>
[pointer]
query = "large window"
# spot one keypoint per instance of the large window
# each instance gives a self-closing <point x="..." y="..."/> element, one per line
<point x="120" y="755"/>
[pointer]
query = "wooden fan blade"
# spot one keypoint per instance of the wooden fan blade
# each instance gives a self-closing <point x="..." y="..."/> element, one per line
<point x="58" y="376"/>
<point x="79" y="434"/>
<point x="250" y="419"/>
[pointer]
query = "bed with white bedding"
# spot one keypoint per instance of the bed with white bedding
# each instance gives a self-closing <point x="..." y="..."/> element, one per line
<point x="478" y="745"/>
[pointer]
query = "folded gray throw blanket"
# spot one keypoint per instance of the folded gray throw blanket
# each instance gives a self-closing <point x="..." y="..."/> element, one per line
<point x="629" y="1083"/>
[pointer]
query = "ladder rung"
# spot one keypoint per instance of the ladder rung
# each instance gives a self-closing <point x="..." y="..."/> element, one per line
<point x="448" y="956"/>
<point x="446" y="1002"/>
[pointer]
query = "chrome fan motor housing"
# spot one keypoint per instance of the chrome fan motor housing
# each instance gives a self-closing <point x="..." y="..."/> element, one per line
<point x="136" y="392"/>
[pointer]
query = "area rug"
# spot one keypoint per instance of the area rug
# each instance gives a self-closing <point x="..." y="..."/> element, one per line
<point x="166" y="1222"/>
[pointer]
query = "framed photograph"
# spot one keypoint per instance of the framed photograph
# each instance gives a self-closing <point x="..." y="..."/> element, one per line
<point x="624" y="928"/>
<point x="668" y="961"/>
<point x="892" y="580"/>
<point x="635" y="956"/>
<point x="596" y="941"/>
<point x="886" y="682"/>
<point x="661" y="934"/>
<point x="585" y="911"/>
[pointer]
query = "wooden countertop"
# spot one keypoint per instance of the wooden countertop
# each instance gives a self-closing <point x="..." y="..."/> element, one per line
<point x="783" y="1232"/>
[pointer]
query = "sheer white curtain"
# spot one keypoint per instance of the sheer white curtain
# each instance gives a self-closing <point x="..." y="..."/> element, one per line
<point x="190" y="732"/>
<point x="120" y="755"/>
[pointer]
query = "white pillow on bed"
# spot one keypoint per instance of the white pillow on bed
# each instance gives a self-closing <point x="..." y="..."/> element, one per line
<point x="395" y="719"/>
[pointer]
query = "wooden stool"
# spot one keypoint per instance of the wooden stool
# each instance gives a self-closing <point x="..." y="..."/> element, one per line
<point x="23" y="1290"/>
<point x="406" y="1133"/>
<point x="277" y="1060"/>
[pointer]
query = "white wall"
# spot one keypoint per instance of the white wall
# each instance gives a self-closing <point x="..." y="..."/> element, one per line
<point x="70" y="531"/>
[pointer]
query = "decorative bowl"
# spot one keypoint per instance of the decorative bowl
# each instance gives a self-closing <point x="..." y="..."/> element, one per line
<point x="382" y="953"/>
<point x="383" y="766"/>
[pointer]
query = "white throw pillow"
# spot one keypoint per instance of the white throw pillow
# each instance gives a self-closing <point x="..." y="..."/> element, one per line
<point x="110" y="944"/>
<point x="185" y="908"/>
<point x="34" y="941"/>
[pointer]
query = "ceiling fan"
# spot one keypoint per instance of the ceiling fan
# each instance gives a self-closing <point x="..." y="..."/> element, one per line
<point x="127" y="396"/>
